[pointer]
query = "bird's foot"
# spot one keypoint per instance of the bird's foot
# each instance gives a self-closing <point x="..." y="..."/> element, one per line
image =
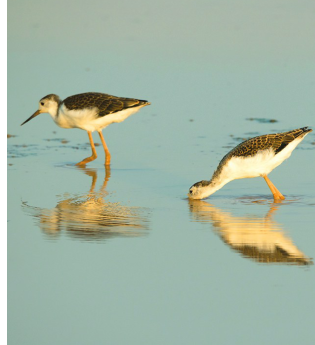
<point x="278" y="197"/>
<point x="86" y="160"/>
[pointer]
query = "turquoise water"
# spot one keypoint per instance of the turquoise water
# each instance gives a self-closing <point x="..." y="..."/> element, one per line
<point x="121" y="256"/>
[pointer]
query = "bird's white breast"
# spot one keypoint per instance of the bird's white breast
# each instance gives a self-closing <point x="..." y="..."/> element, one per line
<point x="88" y="119"/>
<point x="247" y="167"/>
<point x="75" y="118"/>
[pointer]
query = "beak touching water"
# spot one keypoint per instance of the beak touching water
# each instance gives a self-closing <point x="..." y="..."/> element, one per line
<point x="30" y="118"/>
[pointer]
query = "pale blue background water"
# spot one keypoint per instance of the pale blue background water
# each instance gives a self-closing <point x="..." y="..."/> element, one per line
<point x="162" y="274"/>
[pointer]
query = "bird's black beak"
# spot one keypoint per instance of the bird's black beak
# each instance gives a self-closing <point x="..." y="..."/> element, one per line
<point x="30" y="118"/>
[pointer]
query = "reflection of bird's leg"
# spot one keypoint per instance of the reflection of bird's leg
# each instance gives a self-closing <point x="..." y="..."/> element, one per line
<point x="107" y="154"/>
<point x="92" y="173"/>
<point x="106" y="179"/>
<point x="94" y="178"/>
<point x="94" y="155"/>
<point x="270" y="213"/>
<point x="276" y="194"/>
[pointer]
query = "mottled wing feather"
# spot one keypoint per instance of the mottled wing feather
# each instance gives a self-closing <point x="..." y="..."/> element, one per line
<point x="106" y="104"/>
<point x="250" y="147"/>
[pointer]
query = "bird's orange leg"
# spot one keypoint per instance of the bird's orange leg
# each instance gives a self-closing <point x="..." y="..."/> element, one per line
<point x="94" y="155"/>
<point x="107" y="153"/>
<point x="276" y="194"/>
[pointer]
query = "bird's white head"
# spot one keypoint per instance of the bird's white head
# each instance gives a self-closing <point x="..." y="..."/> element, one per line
<point x="48" y="104"/>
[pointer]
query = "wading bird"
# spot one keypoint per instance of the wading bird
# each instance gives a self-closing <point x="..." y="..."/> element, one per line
<point x="90" y="111"/>
<point x="252" y="158"/>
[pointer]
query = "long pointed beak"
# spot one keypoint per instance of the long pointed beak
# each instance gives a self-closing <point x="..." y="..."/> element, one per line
<point x="30" y="118"/>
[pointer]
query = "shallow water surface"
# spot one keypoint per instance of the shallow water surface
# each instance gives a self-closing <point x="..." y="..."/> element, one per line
<point x="258" y="238"/>
<point x="89" y="216"/>
<point x="123" y="254"/>
<point x="120" y="255"/>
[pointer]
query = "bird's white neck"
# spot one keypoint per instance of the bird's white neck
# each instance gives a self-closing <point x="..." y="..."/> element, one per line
<point x="212" y="187"/>
<point x="53" y="110"/>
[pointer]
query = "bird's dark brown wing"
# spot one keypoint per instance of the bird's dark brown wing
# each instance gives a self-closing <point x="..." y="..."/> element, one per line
<point x="106" y="104"/>
<point x="276" y="142"/>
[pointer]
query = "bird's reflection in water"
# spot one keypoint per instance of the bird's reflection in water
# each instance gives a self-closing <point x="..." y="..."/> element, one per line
<point x="90" y="216"/>
<point x="258" y="238"/>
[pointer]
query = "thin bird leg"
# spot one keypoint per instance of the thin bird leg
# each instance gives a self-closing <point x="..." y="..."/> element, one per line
<point x="107" y="154"/>
<point x="276" y="194"/>
<point x="94" y="155"/>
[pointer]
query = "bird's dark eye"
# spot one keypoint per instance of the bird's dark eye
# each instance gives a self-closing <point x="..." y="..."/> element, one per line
<point x="42" y="103"/>
<point x="190" y="191"/>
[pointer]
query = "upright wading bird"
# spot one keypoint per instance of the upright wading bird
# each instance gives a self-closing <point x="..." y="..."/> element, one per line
<point x="252" y="158"/>
<point x="91" y="111"/>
